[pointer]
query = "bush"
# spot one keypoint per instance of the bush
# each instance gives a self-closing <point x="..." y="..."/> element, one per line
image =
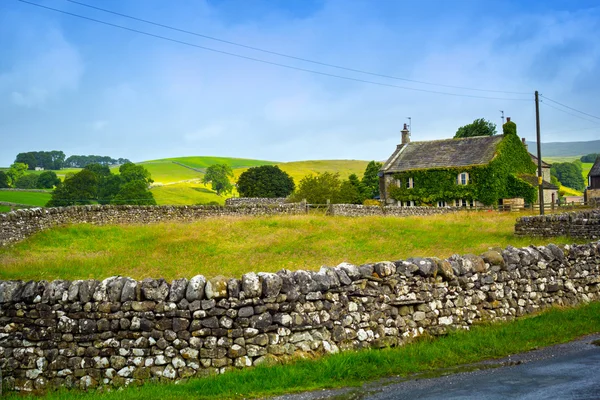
<point x="28" y="181"/>
<point x="265" y="181"/>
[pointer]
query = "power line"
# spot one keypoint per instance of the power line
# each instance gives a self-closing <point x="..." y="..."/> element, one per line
<point x="287" y="55"/>
<point x="265" y="61"/>
<point x="566" y="112"/>
<point x="570" y="108"/>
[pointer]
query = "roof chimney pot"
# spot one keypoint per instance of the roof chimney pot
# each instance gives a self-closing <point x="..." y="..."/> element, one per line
<point x="405" y="135"/>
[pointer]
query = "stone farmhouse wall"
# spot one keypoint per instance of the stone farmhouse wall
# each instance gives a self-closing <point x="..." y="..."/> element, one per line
<point x="16" y="225"/>
<point x="120" y="331"/>
<point x="355" y="210"/>
<point x="582" y="224"/>
<point x="236" y="201"/>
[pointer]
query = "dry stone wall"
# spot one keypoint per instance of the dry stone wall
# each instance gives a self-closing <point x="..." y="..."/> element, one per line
<point x="582" y="224"/>
<point x="237" y="201"/>
<point x="16" y="225"/>
<point x="355" y="210"/>
<point x="120" y="331"/>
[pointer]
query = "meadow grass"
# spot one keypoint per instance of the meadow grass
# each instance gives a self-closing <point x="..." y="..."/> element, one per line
<point x="29" y="198"/>
<point x="185" y="194"/>
<point x="167" y="172"/>
<point x="232" y="246"/>
<point x="202" y="162"/>
<point x="4" y="209"/>
<point x="431" y="356"/>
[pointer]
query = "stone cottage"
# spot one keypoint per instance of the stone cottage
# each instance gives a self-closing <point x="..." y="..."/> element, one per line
<point x="592" y="193"/>
<point x="463" y="172"/>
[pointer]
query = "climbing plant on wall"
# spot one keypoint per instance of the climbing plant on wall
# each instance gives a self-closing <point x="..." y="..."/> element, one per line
<point x="487" y="183"/>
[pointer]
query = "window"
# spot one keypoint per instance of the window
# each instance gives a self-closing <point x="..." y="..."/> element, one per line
<point x="464" y="203"/>
<point x="463" y="178"/>
<point x="398" y="183"/>
<point x="441" y="203"/>
<point x="410" y="203"/>
<point x="411" y="183"/>
<point x="471" y="203"/>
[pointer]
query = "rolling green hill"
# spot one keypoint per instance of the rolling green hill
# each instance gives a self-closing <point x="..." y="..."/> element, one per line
<point x="178" y="180"/>
<point x="566" y="149"/>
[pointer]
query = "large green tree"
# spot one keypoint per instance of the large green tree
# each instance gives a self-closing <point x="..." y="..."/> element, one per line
<point x="80" y="188"/>
<point x="317" y="189"/>
<point x="47" y="180"/>
<point x="4" y="180"/>
<point x="27" y="181"/>
<point x="352" y="191"/>
<point x="218" y="176"/>
<point x="96" y="183"/>
<point x="589" y="158"/>
<point x="265" y="181"/>
<point x="134" y="192"/>
<point x="370" y="179"/>
<point x="479" y="127"/>
<point x="569" y="174"/>
<point x="15" y="171"/>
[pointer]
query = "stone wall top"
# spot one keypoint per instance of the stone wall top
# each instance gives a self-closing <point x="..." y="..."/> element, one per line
<point x="578" y="224"/>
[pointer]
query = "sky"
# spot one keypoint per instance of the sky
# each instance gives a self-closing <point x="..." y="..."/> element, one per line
<point x="83" y="87"/>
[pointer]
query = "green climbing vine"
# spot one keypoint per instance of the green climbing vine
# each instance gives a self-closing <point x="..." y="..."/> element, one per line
<point x="487" y="183"/>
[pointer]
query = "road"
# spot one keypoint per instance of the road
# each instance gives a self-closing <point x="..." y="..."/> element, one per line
<point x="568" y="371"/>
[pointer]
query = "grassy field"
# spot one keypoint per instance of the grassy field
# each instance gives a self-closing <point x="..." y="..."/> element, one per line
<point x="429" y="356"/>
<point x="4" y="209"/>
<point x="204" y="162"/>
<point x="167" y="172"/>
<point x="236" y="245"/>
<point x="185" y="194"/>
<point x="29" y="198"/>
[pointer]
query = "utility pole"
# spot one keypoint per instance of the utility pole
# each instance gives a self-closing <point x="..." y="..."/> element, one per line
<point x="502" y="116"/>
<point x="409" y="124"/>
<point x="539" y="153"/>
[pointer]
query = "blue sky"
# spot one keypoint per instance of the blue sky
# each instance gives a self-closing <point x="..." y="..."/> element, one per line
<point x="85" y="88"/>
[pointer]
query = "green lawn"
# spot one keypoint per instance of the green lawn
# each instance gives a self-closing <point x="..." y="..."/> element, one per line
<point x="29" y="198"/>
<point x="432" y="356"/>
<point x="235" y="245"/>
<point x="4" y="209"/>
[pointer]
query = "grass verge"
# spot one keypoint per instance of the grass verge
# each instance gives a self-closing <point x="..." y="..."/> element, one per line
<point x="235" y="245"/>
<point x="354" y="368"/>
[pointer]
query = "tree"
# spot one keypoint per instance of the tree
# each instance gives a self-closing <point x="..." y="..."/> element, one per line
<point x="352" y="191"/>
<point x="27" y="181"/>
<point x="16" y="171"/>
<point x="131" y="172"/>
<point x="317" y="189"/>
<point x="370" y="179"/>
<point x="27" y="158"/>
<point x="265" y="181"/>
<point x="99" y="170"/>
<point x="47" y="180"/>
<point x="4" y="180"/>
<point x="218" y="176"/>
<point x="569" y="174"/>
<point x="479" y="127"/>
<point x="79" y="188"/>
<point x="108" y="187"/>
<point x="589" y="158"/>
<point x="134" y="192"/>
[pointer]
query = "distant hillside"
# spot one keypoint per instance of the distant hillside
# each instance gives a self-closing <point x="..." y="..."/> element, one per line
<point x="566" y="149"/>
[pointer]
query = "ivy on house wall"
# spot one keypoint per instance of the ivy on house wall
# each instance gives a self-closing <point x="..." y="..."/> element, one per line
<point x="487" y="183"/>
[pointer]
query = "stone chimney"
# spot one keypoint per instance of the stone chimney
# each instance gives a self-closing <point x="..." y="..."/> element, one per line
<point x="507" y="119"/>
<point x="405" y="135"/>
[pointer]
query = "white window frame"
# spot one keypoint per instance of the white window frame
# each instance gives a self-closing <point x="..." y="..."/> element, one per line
<point x="459" y="179"/>
<point x="398" y="183"/>
<point x="411" y="183"/>
<point x="442" y="203"/>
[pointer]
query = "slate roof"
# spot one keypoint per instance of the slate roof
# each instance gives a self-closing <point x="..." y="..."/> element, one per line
<point x="479" y="150"/>
<point x="533" y="181"/>
<point x="535" y="161"/>
<point x="595" y="171"/>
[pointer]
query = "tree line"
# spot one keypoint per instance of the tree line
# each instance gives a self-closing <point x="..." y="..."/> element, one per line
<point x="55" y="160"/>
<point x="270" y="181"/>
<point x="16" y="177"/>
<point x="95" y="183"/>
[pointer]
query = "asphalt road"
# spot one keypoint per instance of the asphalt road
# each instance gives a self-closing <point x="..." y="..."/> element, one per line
<point x="569" y="371"/>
